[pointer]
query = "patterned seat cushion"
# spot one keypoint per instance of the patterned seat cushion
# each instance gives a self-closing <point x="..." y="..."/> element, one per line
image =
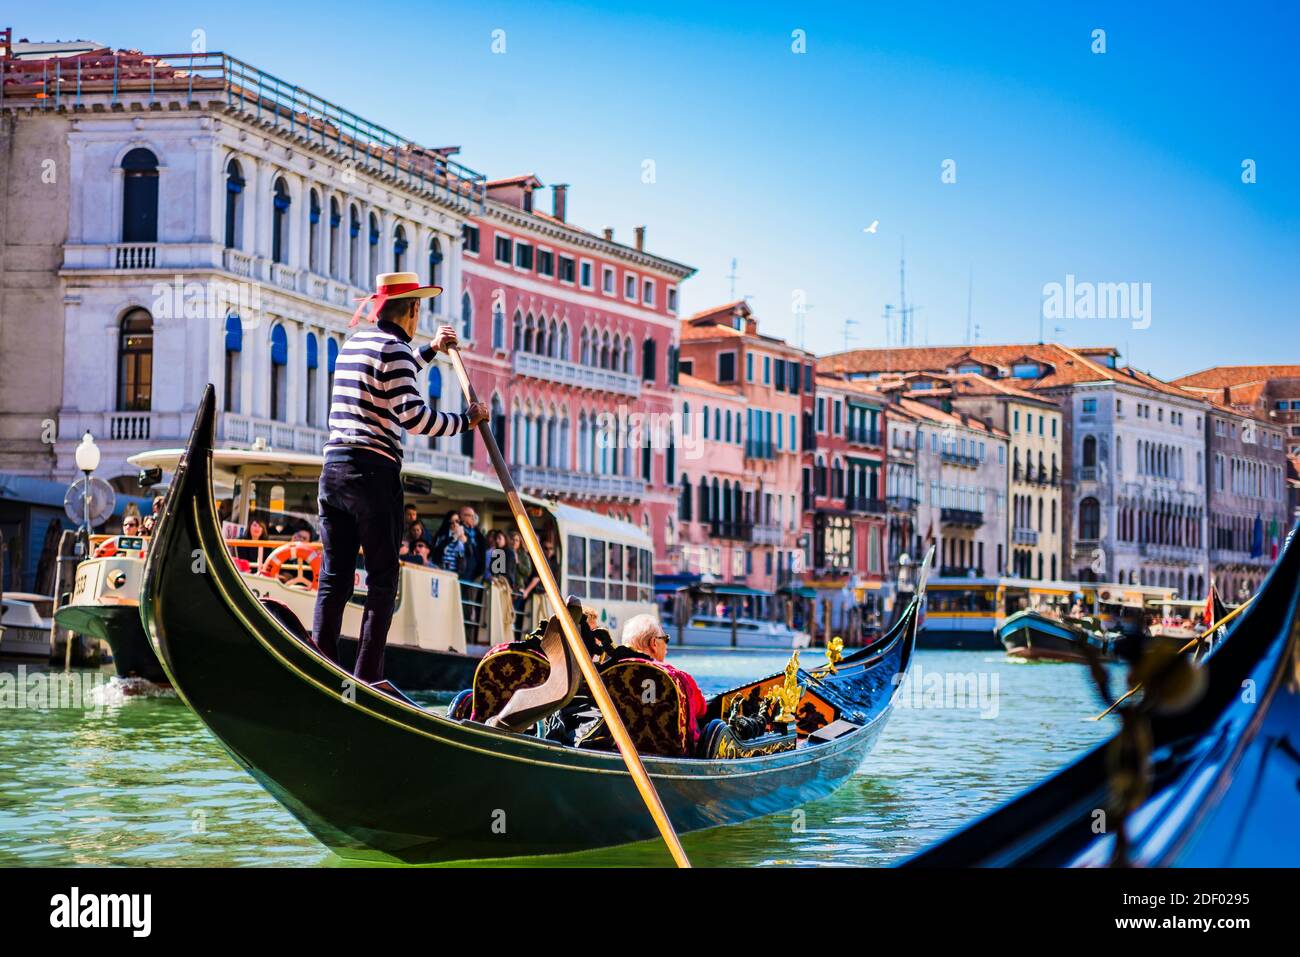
<point x="503" y="671"/>
<point x="652" y="705"/>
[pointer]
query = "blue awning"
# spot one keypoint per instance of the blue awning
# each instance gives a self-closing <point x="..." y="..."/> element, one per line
<point x="435" y="382"/>
<point x="332" y="354"/>
<point x="279" y="346"/>
<point x="234" y="333"/>
<point x="311" y="351"/>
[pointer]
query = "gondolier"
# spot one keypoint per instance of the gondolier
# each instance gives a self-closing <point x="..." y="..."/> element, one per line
<point x="375" y="398"/>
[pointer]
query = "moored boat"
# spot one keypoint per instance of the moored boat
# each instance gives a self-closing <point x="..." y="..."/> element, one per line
<point x="1033" y="636"/>
<point x="1218" y="786"/>
<point x="374" y="776"/>
<point x="25" y="625"/>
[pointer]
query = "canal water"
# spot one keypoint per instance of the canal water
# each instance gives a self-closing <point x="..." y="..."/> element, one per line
<point x="137" y="780"/>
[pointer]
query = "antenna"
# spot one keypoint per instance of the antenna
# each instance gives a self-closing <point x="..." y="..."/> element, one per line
<point x="733" y="278"/>
<point x="889" y="326"/>
<point x="848" y="323"/>
<point x="902" y="293"/>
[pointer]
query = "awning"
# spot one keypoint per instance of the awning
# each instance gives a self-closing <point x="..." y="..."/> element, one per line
<point x="743" y="590"/>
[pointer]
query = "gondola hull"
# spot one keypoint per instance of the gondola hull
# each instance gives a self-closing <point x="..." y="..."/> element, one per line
<point x="1033" y="637"/>
<point x="373" y="777"/>
<point x="1223" y="772"/>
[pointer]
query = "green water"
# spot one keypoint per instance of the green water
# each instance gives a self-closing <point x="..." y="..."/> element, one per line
<point x="139" y="781"/>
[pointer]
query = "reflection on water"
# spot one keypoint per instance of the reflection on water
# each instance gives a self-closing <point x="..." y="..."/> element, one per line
<point x="140" y="781"/>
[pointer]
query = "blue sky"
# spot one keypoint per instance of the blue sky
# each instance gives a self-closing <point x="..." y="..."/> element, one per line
<point x="1123" y="166"/>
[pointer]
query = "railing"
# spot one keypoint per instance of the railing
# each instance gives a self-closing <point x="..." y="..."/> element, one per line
<point x="452" y="463"/>
<point x="238" y="262"/>
<point x="1239" y="556"/>
<point x="129" y="426"/>
<point x="960" y="571"/>
<point x="901" y="503"/>
<point x="1024" y="536"/>
<point x="956" y="458"/>
<point x="736" y="531"/>
<point x="767" y="535"/>
<point x="135" y="255"/>
<point x="240" y="429"/>
<point x="1087" y="473"/>
<point x="860" y="503"/>
<point x="573" y="374"/>
<point x="286" y="277"/>
<point x="961" y="516"/>
<point x="860" y="436"/>
<point x="567" y="482"/>
<point x="56" y="82"/>
<point x="755" y="449"/>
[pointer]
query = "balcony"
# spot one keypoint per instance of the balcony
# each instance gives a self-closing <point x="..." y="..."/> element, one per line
<point x="767" y="535"/>
<point x="864" y="505"/>
<point x="755" y="449"/>
<point x="901" y="503"/>
<point x="243" y="430"/>
<point x="735" y="531"/>
<point x="1024" y="536"/>
<point x="963" y="517"/>
<point x="1232" y="556"/>
<point x="858" y="436"/>
<point x="543" y="479"/>
<point x="1170" y="553"/>
<point x="578" y="376"/>
<point x="956" y="458"/>
<point x="1088" y="473"/>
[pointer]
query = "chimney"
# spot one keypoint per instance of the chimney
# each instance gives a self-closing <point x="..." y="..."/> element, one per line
<point x="640" y="239"/>
<point x="609" y="234"/>
<point x="558" y="197"/>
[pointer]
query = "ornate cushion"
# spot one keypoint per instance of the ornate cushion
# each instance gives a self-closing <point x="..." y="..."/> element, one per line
<point x="720" y="742"/>
<point x="461" y="706"/>
<point x="651" y="704"/>
<point x="503" y="671"/>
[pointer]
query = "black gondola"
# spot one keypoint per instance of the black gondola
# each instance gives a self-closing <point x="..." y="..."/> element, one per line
<point x="1224" y="773"/>
<point x="373" y="776"/>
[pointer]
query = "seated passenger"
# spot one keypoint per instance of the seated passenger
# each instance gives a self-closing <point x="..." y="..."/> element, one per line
<point x="645" y="635"/>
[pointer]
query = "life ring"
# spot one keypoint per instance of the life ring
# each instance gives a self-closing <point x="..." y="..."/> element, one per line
<point x="299" y="556"/>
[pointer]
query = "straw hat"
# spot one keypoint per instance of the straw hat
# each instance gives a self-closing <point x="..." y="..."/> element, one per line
<point x="392" y="285"/>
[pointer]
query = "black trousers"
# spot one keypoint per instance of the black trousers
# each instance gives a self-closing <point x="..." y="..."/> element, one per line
<point x="360" y="504"/>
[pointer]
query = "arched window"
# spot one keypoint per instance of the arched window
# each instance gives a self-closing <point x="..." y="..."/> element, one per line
<point x="552" y="335"/>
<point x="498" y="326"/>
<point x="280" y="221"/>
<point x="335" y="219"/>
<point x="1089" y="520"/>
<point x="627" y="355"/>
<point x="140" y="197"/>
<point x="563" y="350"/>
<point x="648" y="366"/>
<point x="279" y="373"/>
<point x="564" y="439"/>
<point x="529" y="334"/>
<point x="358" y="263"/>
<point x="498" y="422"/>
<point x="312" y="365"/>
<point x="604" y="350"/>
<point x="375" y="266"/>
<point x="399" y="249"/>
<point x="517" y="342"/>
<point x="616" y="355"/>
<point x="135" y="362"/>
<point x="1089" y="451"/>
<point x="684" y="500"/>
<point x="313" y="232"/>
<point x="234" y="350"/>
<point x="585" y="353"/>
<point x="466" y="317"/>
<point x="234" y="204"/>
<point x="435" y="275"/>
<point x="331" y="357"/>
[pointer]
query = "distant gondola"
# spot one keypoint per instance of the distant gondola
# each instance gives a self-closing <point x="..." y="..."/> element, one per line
<point x="1035" y="637"/>
<point x="1224" y="772"/>
<point x="374" y="776"/>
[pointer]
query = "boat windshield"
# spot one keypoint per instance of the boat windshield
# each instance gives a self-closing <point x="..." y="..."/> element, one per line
<point x="982" y="598"/>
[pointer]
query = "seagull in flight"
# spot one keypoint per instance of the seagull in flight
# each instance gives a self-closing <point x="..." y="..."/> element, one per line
<point x="872" y="227"/>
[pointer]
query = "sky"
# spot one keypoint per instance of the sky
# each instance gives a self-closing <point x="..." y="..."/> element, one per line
<point x="1005" y="147"/>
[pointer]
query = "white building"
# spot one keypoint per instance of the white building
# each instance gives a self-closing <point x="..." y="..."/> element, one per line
<point x="204" y="224"/>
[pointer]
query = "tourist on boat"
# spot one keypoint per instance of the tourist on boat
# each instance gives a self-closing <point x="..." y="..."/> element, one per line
<point x="150" y="520"/>
<point x="131" y="525"/>
<point x="644" y="634"/>
<point x="256" y="533"/>
<point x="523" y="565"/>
<point x="500" y="560"/>
<point x="375" y="398"/>
<point x="453" y="550"/>
<point x="419" y="553"/>
<point x="475" y="545"/>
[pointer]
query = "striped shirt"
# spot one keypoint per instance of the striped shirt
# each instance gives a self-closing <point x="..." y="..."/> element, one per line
<point x="375" y="395"/>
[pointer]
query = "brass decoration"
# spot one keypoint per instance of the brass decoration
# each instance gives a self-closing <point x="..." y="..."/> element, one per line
<point x="786" y="695"/>
<point x="834" y="655"/>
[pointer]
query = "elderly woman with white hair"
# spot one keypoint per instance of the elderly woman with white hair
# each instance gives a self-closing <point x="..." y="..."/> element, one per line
<point x="644" y="635"/>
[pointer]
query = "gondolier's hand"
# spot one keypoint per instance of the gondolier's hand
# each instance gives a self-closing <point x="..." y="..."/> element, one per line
<point x="444" y="339"/>
<point x="477" y="413"/>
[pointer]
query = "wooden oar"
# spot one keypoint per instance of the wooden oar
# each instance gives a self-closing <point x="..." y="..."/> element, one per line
<point x="571" y="634"/>
<point x="1185" y="648"/>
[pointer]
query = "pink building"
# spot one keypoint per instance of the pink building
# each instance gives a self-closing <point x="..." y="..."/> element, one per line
<point x="572" y="339"/>
<point x="761" y="379"/>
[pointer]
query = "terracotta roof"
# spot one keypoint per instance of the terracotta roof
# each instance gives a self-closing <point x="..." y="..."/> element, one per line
<point x="1062" y="365"/>
<point x="726" y="309"/>
<point x="922" y="410"/>
<point x="1217" y="377"/>
<point x="515" y="181"/>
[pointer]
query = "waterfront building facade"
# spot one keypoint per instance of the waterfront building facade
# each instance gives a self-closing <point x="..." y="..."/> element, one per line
<point x="571" y="340"/>
<point x="723" y="346"/>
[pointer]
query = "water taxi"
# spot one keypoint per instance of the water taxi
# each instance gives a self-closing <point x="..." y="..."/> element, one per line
<point x="25" y="625"/>
<point x="967" y="612"/>
<point x="442" y="623"/>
